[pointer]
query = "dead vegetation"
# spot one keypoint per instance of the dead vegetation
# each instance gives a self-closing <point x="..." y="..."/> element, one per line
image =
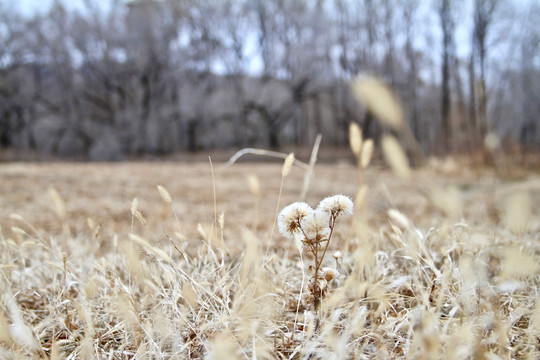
<point x="441" y="264"/>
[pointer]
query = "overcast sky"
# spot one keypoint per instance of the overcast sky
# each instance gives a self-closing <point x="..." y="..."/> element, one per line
<point x="32" y="6"/>
<point x="430" y="22"/>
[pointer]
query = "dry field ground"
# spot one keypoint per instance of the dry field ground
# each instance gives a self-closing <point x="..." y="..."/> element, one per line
<point x="86" y="272"/>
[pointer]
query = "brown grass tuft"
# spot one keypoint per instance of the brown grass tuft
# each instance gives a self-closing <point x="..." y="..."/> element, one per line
<point x="414" y="283"/>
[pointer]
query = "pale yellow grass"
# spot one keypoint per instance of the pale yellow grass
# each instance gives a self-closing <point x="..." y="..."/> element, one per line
<point x="87" y="272"/>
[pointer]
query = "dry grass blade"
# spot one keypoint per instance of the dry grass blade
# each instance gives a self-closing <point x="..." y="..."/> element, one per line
<point x="263" y="152"/>
<point x="158" y="253"/>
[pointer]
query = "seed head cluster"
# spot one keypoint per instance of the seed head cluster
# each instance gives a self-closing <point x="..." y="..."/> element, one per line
<point x="300" y="218"/>
<point x="312" y="230"/>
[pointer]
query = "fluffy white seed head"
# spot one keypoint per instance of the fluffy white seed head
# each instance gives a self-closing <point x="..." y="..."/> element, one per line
<point x="330" y="274"/>
<point x="337" y="205"/>
<point x="316" y="224"/>
<point x="290" y="217"/>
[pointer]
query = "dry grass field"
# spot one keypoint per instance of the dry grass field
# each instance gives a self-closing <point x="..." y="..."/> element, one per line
<point x="197" y="269"/>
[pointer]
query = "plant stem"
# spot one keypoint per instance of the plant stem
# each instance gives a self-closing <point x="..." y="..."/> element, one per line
<point x="316" y="293"/>
<point x="318" y="262"/>
<point x="332" y="223"/>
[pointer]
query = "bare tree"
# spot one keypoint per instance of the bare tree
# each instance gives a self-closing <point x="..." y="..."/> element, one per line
<point x="151" y="76"/>
<point x="409" y="11"/>
<point x="483" y="16"/>
<point x="445" y="13"/>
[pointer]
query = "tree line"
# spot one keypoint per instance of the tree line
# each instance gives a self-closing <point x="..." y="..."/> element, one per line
<point x="157" y="77"/>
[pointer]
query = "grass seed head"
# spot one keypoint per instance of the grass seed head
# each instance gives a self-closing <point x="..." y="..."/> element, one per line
<point x="380" y="100"/>
<point x="16" y="217"/>
<point x="367" y="152"/>
<point x="355" y="139"/>
<point x="17" y="230"/>
<point x="136" y="213"/>
<point x="164" y="194"/>
<point x="58" y="202"/>
<point x="221" y="221"/>
<point x="395" y="156"/>
<point x="254" y="185"/>
<point x="397" y="218"/>
<point x="289" y="161"/>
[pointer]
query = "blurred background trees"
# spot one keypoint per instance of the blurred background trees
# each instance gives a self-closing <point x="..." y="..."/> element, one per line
<point x="162" y="76"/>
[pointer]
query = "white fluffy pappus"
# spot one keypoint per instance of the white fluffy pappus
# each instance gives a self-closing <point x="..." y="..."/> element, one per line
<point x="290" y="217"/>
<point x="337" y="205"/>
<point x="316" y="224"/>
<point x="329" y="274"/>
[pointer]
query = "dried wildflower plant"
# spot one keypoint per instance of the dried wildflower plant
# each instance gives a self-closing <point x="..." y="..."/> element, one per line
<point x="312" y="230"/>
